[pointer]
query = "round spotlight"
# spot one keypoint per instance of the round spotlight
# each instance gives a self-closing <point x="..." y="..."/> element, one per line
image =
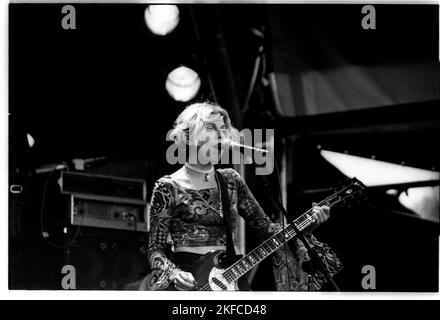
<point x="161" y="19"/>
<point x="183" y="84"/>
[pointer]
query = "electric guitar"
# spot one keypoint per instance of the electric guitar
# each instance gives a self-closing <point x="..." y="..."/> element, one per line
<point x="211" y="274"/>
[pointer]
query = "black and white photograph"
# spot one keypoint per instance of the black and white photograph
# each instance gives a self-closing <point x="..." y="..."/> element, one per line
<point x="259" y="146"/>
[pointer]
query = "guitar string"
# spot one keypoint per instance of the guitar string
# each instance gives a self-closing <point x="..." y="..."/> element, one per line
<point x="306" y="219"/>
<point x="267" y="247"/>
<point x="229" y="279"/>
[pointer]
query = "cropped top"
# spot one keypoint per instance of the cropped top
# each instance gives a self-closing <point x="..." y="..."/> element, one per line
<point x="181" y="218"/>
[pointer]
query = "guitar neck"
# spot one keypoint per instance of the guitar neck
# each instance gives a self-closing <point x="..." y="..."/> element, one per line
<point x="351" y="191"/>
<point x="253" y="258"/>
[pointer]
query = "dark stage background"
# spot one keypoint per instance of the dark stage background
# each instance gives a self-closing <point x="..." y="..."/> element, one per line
<point x="98" y="91"/>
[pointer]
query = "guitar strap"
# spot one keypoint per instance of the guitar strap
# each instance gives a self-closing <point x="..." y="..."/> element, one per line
<point x="230" y="250"/>
<point x="231" y="255"/>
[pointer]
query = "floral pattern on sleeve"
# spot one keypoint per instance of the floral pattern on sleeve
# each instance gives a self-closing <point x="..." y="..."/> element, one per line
<point x="160" y="216"/>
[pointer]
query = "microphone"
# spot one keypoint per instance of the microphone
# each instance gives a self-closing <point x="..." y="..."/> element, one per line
<point x="78" y="163"/>
<point x="51" y="167"/>
<point x="239" y="145"/>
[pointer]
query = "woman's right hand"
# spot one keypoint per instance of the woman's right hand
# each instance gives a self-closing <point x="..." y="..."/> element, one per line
<point x="183" y="280"/>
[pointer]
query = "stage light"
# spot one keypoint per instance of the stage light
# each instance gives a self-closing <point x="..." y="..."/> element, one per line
<point x="183" y="84"/>
<point x="161" y="19"/>
<point x="424" y="201"/>
<point x="375" y="172"/>
<point x="30" y="140"/>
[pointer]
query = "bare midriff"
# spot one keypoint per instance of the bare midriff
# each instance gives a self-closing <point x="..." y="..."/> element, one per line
<point x="203" y="250"/>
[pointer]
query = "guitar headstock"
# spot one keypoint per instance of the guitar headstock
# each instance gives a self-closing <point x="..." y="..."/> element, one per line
<point x="352" y="191"/>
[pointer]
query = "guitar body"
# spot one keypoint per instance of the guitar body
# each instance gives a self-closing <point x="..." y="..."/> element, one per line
<point x="209" y="273"/>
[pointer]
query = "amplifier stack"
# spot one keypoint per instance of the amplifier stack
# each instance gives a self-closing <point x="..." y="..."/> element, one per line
<point x="106" y="237"/>
<point x="106" y="202"/>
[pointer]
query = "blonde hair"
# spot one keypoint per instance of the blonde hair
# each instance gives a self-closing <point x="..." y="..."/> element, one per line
<point x="190" y="122"/>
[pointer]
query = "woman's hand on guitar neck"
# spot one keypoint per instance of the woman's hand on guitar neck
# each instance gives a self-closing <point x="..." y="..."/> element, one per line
<point x="183" y="280"/>
<point x="320" y="215"/>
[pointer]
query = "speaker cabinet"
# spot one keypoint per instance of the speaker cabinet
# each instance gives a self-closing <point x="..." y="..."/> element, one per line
<point x="106" y="259"/>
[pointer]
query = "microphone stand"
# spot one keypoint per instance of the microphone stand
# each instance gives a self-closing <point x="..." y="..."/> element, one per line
<point x="312" y="253"/>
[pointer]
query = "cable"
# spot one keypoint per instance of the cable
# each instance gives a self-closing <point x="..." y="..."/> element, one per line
<point x="283" y="224"/>
<point x="280" y="196"/>
<point x="44" y="233"/>
<point x="77" y="231"/>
